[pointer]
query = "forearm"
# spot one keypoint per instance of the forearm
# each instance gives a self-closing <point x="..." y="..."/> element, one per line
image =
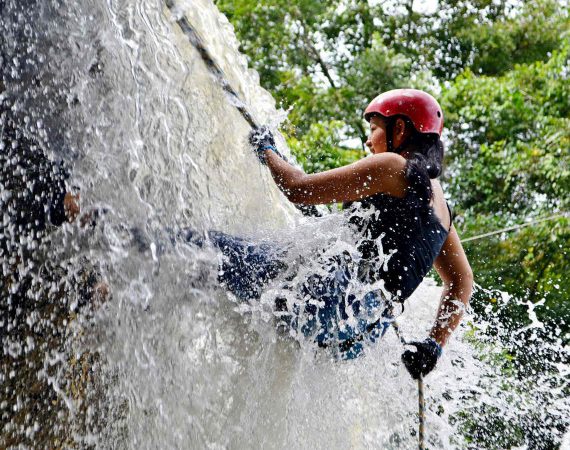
<point x="347" y="183"/>
<point x="453" y="303"/>
<point x="377" y="173"/>
<point x="287" y="177"/>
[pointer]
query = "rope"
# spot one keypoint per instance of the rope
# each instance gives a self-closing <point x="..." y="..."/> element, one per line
<point x="214" y="68"/>
<point x="421" y="399"/>
<point x="218" y="73"/>
<point x="421" y="412"/>
<point x="515" y="227"/>
<point x="398" y="332"/>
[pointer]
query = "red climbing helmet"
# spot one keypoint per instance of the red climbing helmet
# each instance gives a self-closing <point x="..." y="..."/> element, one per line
<point x="418" y="106"/>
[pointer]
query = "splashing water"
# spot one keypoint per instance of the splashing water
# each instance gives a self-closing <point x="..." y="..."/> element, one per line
<point x="166" y="358"/>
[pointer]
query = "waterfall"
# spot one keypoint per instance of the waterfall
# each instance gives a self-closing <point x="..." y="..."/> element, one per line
<point x="166" y="358"/>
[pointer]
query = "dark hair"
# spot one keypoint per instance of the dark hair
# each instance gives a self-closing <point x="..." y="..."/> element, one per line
<point x="425" y="161"/>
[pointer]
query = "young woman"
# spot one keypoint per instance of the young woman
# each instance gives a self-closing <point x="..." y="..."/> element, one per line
<point x="402" y="227"/>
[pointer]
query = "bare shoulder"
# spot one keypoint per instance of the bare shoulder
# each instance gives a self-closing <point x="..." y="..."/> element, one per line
<point x="440" y="204"/>
<point x="389" y="161"/>
<point x="390" y="171"/>
<point x="436" y="186"/>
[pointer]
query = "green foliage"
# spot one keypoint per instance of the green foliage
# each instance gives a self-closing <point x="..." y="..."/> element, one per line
<point x="510" y="137"/>
<point x="494" y="432"/>
<point x="490" y="37"/>
<point x="318" y="149"/>
<point x="530" y="264"/>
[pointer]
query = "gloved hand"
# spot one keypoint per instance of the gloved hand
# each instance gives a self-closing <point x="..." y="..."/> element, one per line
<point x="423" y="360"/>
<point x="262" y="141"/>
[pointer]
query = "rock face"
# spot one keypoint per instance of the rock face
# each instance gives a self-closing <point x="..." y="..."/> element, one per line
<point x="115" y="103"/>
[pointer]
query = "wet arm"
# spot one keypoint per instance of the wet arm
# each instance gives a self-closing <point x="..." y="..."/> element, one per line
<point x="370" y="175"/>
<point x="455" y="271"/>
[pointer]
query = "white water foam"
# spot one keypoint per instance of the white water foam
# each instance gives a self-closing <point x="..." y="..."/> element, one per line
<point x="160" y="147"/>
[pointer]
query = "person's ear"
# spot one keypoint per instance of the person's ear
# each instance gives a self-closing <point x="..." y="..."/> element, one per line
<point x="399" y="133"/>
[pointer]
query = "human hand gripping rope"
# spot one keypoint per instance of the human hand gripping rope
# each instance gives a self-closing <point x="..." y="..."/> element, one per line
<point x="418" y="363"/>
<point x="423" y="360"/>
<point x="261" y="139"/>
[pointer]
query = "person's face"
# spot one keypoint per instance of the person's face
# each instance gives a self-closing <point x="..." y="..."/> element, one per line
<point x="377" y="138"/>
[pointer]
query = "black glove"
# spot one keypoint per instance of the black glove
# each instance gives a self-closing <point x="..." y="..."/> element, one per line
<point x="262" y="141"/>
<point x="423" y="360"/>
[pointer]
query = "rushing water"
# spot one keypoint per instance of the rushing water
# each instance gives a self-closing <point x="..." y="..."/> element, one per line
<point x="168" y="359"/>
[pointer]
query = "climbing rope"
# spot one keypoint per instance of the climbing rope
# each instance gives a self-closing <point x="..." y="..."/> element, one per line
<point x="421" y="400"/>
<point x="214" y="68"/>
<point x="421" y="412"/>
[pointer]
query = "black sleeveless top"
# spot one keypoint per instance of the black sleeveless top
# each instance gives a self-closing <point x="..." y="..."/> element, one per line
<point x="398" y="238"/>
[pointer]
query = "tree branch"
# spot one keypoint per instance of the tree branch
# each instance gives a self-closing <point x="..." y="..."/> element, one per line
<point x="410" y="9"/>
<point x="313" y="52"/>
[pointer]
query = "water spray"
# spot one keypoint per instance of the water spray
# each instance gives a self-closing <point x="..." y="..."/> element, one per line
<point x="218" y="73"/>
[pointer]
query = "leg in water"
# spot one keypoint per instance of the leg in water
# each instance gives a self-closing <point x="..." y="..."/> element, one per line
<point x="324" y="309"/>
